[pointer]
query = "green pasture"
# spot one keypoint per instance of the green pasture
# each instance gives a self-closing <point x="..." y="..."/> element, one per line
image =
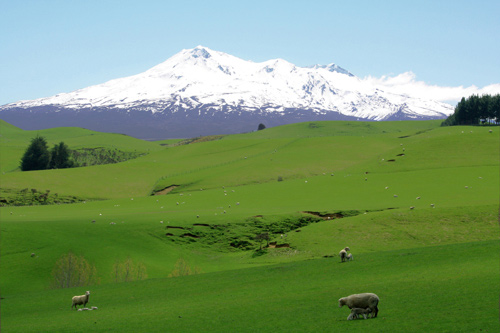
<point x="420" y="205"/>
<point x="427" y="289"/>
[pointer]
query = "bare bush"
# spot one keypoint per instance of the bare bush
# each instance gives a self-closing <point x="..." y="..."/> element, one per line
<point x="73" y="271"/>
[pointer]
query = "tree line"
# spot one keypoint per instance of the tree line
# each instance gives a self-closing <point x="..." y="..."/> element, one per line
<point x="475" y="110"/>
<point x="38" y="156"/>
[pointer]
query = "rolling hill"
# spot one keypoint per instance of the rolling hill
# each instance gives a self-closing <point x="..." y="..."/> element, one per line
<point x="416" y="203"/>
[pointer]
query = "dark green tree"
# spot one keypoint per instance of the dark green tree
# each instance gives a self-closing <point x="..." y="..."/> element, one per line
<point x="261" y="237"/>
<point x="261" y="127"/>
<point x="60" y="157"/>
<point x="36" y="156"/>
<point x="475" y="110"/>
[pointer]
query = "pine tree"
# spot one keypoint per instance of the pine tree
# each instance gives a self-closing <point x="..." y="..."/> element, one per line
<point x="36" y="156"/>
<point x="60" y="157"/>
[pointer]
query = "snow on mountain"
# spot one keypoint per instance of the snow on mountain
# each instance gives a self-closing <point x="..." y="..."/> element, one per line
<point x="219" y="78"/>
<point x="204" y="79"/>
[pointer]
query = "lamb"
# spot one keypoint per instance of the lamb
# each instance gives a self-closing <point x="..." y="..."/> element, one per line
<point x="355" y="312"/>
<point x="80" y="300"/>
<point x="349" y="257"/>
<point x="365" y="300"/>
<point x="343" y="253"/>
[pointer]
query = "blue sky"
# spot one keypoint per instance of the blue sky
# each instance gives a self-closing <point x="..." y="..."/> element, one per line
<point x="440" y="47"/>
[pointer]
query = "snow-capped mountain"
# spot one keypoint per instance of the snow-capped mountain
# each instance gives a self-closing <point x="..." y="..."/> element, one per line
<point x="200" y="91"/>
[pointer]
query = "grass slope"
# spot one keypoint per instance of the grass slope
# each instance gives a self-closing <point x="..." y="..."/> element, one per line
<point x="301" y="297"/>
<point x="420" y="261"/>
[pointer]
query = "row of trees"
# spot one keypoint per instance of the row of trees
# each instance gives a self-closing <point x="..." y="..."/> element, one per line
<point x="475" y="110"/>
<point x="75" y="271"/>
<point x="38" y="156"/>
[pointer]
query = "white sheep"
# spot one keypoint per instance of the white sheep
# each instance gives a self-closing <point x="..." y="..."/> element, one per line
<point x="355" y="312"/>
<point x="365" y="300"/>
<point x="80" y="300"/>
<point x="94" y="308"/>
<point x="349" y="257"/>
<point x="343" y="253"/>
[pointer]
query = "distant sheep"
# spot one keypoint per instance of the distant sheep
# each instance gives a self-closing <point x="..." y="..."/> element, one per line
<point x="33" y="254"/>
<point x="94" y="308"/>
<point x="343" y="253"/>
<point x="80" y="300"/>
<point x="365" y="300"/>
<point x="349" y="257"/>
<point x="355" y="312"/>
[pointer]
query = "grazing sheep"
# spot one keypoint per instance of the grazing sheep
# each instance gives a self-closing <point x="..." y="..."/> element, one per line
<point x="343" y="253"/>
<point x="365" y="300"/>
<point x="349" y="257"/>
<point x="355" y="312"/>
<point x="33" y="254"/>
<point x="80" y="300"/>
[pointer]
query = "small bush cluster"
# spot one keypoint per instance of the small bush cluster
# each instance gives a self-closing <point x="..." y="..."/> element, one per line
<point x="33" y="197"/>
<point x="73" y="271"/>
<point x="98" y="156"/>
<point x="182" y="268"/>
<point x="254" y="233"/>
<point x="128" y="270"/>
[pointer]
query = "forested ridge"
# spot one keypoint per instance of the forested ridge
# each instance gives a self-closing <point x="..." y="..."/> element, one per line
<point x="476" y="110"/>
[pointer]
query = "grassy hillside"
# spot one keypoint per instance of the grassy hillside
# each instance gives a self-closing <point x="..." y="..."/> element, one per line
<point x="420" y="207"/>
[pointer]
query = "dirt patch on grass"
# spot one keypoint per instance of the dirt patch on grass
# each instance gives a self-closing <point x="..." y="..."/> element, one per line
<point x="188" y="234"/>
<point x="166" y="190"/>
<point x="275" y="245"/>
<point x="325" y="216"/>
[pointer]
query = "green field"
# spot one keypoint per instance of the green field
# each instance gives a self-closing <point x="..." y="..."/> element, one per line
<point x="420" y="214"/>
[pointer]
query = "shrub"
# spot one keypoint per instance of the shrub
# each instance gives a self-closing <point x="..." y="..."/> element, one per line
<point x="73" y="271"/>
<point x="128" y="270"/>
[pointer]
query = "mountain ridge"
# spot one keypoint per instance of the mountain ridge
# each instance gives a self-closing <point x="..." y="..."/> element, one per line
<point x="225" y="94"/>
